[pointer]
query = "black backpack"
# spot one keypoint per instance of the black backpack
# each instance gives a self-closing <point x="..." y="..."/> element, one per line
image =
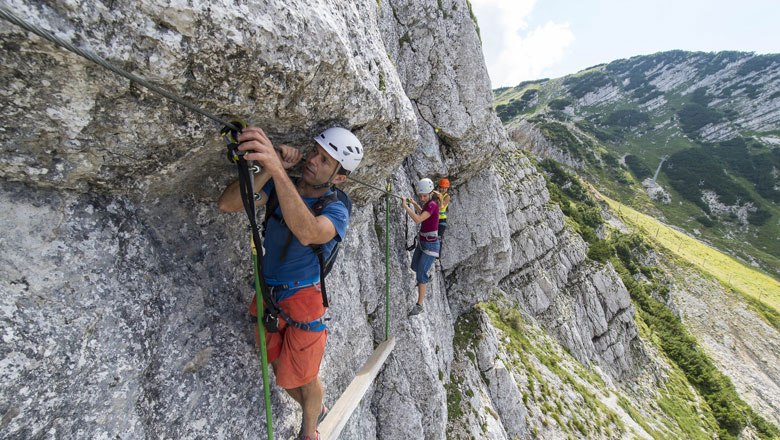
<point x="337" y="195"/>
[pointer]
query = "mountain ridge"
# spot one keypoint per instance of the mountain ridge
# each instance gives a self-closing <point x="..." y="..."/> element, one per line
<point x="712" y="119"/>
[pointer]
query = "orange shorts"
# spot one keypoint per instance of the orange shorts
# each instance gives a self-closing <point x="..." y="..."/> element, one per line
<point x="297" y="353"/>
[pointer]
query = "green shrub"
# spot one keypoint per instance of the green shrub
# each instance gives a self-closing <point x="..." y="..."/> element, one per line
<point x="559" y="103"/>
<point x="516" y="106"/>
<point x="567" y="191"/>
<point x="694" y="116"/>
<point x="600" y="251"/>
<point x="705" y="221"/>
<point x="758" y="168"/>
<point x="627" y="118"/>
<point x="646" y="93"/>
<point x="639" y="169"/>
<point x="560" y="136"/>
<point x="710" y="64"/>
<point x="695" y="169"/>
<point x="581" y="85"/>
<point x="758" y="63"/>
<point x="627" y="246"/>
<point x="572" y="188"/>
<point x="699" y="96"/>
<point x="600" y="134"/>
<point x="523" y="84"/>
<point x="611" y="160"/>
<point x="759" y="217"/>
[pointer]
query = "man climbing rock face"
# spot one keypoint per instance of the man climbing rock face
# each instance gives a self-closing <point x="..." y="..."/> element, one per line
<point x="294" y="233"/>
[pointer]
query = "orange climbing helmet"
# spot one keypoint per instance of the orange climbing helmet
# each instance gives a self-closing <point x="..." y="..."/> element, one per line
<point x="444" y="182"/>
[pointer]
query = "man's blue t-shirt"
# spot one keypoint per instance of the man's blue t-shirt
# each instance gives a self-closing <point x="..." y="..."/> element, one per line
<point x="301" y="263"/>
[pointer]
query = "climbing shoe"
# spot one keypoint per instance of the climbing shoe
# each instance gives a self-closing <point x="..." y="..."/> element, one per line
<point x="416" y="310"/>
<point x="320" y="418"/>
<point x="306" y="437"/>
<point x="323" y="413"/>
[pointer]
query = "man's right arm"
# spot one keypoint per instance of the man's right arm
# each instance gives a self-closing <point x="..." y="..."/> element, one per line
<point x="230" y="200"/>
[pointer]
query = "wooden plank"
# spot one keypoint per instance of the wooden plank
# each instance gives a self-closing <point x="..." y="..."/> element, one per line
<point x="337" y="417"/>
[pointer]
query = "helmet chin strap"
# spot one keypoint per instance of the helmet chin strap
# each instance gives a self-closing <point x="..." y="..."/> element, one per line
<point x="327" y="183"/>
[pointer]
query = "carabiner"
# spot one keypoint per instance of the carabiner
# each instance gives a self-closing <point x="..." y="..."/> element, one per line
<point x="230" y="134"/>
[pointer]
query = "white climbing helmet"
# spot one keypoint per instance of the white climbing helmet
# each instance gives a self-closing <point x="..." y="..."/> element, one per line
<point x="343" y="146"/>
<point x="425" y="186"/>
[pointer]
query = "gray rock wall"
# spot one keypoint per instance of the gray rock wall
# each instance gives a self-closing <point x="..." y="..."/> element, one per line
<point x="124" y="290"/>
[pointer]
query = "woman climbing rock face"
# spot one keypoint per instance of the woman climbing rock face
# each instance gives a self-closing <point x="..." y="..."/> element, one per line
<point x="428" y="245"/>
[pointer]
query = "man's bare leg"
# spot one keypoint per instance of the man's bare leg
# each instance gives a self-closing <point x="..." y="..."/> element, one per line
<point x="312" y="405"/>
<point x="295" y="393"/>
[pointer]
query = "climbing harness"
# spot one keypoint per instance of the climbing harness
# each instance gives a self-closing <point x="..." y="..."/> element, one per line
<point x="420" y="235"/>
<point x="428" y="235"/>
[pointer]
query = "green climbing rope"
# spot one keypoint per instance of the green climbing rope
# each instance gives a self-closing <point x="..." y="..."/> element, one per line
<point x="263" y="350"/>
<point x="387" y="259"/>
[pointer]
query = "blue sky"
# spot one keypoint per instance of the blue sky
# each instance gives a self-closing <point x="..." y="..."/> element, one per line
<point x="530" y="39"/>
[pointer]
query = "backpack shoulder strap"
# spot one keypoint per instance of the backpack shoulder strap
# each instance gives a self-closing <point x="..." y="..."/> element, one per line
<point x="270" y="207"/>
<point x="325" y="265"/>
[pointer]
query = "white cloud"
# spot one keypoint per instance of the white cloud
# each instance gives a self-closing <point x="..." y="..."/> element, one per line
<point x="513" y="51"/>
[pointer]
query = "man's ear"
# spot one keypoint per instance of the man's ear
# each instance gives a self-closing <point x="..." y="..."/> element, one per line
<point x="339" y="179"/>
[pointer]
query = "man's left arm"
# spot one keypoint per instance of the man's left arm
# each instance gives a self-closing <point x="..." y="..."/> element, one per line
<point x="307" y="228"/>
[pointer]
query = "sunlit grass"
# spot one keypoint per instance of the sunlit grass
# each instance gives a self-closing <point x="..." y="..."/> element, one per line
<point x="727" y="270"/>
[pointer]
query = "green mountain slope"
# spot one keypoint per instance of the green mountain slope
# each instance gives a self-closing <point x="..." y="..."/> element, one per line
<point x="711" y="119"/>
<point x="662" y="270"/>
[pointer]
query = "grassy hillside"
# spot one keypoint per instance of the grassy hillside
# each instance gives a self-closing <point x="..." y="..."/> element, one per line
<point x="759" y="289"/>
<point x="629" y="253"/>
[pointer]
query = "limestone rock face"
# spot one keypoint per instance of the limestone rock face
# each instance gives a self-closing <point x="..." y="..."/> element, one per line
<point x="292" y="69"/>
<point x="123" y="290"/>
<point x="585" y="306"/>
<point x="439" y="61"/>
